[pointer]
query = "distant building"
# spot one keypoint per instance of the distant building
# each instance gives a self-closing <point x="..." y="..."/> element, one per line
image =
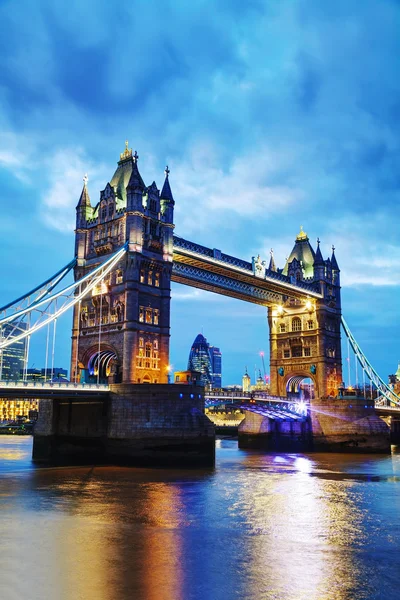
<point x="207" y="360"/>
<point x="56" y="374"/>
<point x="10" y="410"/>
<point x="188" y="377"/>
<point x="216" y="366"/>
<point x="13" y="358"/>
<point x="246" y="382"/>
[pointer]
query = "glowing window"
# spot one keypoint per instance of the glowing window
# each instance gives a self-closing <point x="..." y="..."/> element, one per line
<point x="141" y="314"/>
<point x="150" y="278"/>
<point x="148" y="315"/>
<point x="155" y="345"/>
<point x="156" y="314"/>
<point x="296" y="324"/>
<point x="141" y="342"/>
<point x="119" y="278"/>
<point x="157" y="280"/>
<point x="142" y="276"/>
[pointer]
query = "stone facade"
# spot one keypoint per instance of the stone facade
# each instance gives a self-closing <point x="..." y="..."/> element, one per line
<point x="121" y="329"/>
<point x="305" y="334"/>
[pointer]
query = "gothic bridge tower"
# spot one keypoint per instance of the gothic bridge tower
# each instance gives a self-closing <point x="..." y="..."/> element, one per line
<point x="121" y="330"/>
<point x="305" y="334"/>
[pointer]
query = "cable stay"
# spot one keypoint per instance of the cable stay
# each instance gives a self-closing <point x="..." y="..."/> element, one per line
<point x="387" y="395"/>
<point x="47" y="309"/>
<point x="43" y="289"/>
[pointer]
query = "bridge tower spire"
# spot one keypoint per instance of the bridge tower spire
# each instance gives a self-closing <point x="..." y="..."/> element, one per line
<point x="305" y="334"/>
<point x="121" y="332"/>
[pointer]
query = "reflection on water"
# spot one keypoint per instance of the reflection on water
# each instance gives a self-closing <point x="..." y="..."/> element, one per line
<point x="315" y="527"/>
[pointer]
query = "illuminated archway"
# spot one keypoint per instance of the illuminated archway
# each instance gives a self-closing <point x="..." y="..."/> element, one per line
<point x="301" y="387"/>
<point x="102" y="364"/>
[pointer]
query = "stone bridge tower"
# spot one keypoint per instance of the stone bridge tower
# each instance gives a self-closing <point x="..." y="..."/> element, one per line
<point x="305" y="334"/>
<point x="121" y="330"/>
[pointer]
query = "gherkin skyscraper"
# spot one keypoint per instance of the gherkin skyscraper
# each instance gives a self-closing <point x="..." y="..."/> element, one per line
<point x="200" y="359"/>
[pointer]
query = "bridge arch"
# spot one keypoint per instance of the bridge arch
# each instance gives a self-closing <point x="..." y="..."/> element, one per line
<point x="293" y="386"/>
<point x="101" y="365"/>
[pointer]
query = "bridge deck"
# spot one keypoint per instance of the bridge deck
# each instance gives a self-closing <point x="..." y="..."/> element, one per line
<point x="208" y="269"/>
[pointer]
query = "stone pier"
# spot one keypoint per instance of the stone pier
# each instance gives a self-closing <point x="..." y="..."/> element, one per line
<point x="346" y="424"/>
<point x="281" y="435"/>
<point x="135" y="424"/>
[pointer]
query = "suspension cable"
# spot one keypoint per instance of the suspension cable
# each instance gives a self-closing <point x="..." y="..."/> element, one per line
<point x="373" y="376"/>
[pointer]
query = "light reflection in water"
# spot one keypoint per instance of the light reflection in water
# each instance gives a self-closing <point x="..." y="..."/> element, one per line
<point x="286" y="527"/>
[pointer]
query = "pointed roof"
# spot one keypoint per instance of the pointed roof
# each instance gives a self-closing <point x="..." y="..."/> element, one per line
<point x="318" y="255"/>
<point x="135" y="180"/>
<point x="398" y="372"/>
<point x="304" y="253"/>
<point x="272" y="265"/>
<point x="335" y="266"/>
<point x="84" y="199"/>
<point x="166" y="193"/>
<point x="122" y="175"/>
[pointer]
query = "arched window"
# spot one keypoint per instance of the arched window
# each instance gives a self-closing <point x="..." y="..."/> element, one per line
<point x="103" y="213"/>
<point x="296" y="324"/>
<point x="110" y="210"/>
<point x="142" y="276"/>
<point x="119" y="278"/>
<point x="157" y="280"/>
<point x="148" y="350"/>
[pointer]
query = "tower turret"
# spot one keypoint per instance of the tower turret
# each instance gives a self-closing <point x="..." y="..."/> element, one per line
<point x="134" y="207"/>
<point x="84" y="209"/>
<point x="303" y="253"/>
<point x="272" y="265"/>
<point x="319" y="264"/>
<point x="84" y="212"/>
<point x="167" y="199"/>
<point x="335" y="268"/>
<point x="167" y="216"/>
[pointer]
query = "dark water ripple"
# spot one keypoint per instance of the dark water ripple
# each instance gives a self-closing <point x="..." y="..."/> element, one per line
<point x="292" y="527"/>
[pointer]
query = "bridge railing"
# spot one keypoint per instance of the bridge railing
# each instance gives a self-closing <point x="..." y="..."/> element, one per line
<point x="49" y="385"/>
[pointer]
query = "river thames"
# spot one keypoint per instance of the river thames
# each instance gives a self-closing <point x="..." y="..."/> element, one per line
<point x="292" y="527"/>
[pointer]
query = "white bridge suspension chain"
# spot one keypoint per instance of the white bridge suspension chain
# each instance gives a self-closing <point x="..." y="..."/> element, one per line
<point x="42" y="311"/>
<point x="383" y="388"/>
<point x="41" y="290"/>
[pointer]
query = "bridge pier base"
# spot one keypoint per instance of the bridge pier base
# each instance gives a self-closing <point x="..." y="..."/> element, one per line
<point x="261" y="432"/>
<point x="395" y="431"/>
<point x="348" y="424"/>
<point x="136" y="424"/>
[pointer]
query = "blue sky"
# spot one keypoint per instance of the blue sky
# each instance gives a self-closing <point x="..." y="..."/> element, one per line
<point x="271" y="115"/>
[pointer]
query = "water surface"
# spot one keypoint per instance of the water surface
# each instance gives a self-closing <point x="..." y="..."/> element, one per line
<point x="288" y="526"/>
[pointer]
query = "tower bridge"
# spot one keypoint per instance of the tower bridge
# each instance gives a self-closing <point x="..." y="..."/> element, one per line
<point x="126" y="255"/>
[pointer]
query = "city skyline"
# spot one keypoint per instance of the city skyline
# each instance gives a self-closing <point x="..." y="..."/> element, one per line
<point x="262" y="133"/>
